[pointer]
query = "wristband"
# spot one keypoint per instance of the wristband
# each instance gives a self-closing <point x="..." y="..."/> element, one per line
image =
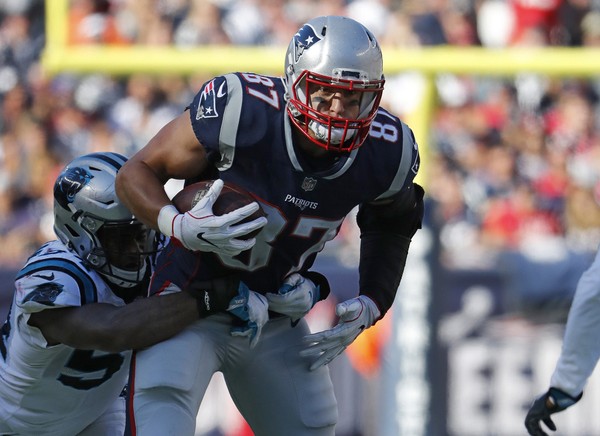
<point x="165" y="220"/>
<point x="213" y="296"/>
<point x="560" y="400"/>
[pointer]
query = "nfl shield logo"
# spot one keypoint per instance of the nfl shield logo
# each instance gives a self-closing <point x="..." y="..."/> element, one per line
<point x="308" y="184"/>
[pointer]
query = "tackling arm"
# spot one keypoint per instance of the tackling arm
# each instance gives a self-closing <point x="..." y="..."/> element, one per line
<point x="139" y="324"/>
<point x="386" y="231"/>
<point x="101" y="326"/>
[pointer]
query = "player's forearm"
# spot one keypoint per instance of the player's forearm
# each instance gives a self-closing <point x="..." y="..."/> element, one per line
<point x="386" y="232"/>
<point x="382" y="259"/>
<point x="142" y="191"/>
<point x="147" y="321"/>
<point x="102" y="326"/>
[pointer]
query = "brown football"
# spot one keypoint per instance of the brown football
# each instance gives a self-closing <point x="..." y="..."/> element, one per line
<point x="232" y="197"/>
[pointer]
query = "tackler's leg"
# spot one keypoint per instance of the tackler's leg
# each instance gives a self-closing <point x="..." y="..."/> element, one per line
<point x="169" y="380"/>
<point x="274" y="389"/>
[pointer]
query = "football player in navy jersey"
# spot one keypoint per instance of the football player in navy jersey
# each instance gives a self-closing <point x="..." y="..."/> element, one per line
<point x="310" y="146"/>
<point x="66" y="345"/>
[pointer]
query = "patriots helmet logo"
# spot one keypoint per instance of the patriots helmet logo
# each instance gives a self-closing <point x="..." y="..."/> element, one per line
<point x="69" y="183"/>
<point x="305" y="38"/>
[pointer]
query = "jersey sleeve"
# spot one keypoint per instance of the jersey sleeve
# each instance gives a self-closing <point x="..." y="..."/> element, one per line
<point x="53" y="283"/>
<point x="232" y="114"/>
<point x="410" y="160"/>
<point x="580" y="351"/>
<point x="207" y="111"/>
<point x="388" y="223"/>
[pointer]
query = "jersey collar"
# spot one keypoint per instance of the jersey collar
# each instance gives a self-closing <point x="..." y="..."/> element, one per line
<point x="336" y="170"/>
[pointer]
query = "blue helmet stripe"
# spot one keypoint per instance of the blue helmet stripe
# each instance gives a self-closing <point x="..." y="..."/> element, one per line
<point x="115" y="159"/>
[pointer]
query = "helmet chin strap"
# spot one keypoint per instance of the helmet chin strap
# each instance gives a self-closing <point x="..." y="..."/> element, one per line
<point x="322" y="133"/>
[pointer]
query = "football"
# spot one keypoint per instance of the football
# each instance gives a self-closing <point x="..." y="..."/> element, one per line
<point x="232" y="197"/>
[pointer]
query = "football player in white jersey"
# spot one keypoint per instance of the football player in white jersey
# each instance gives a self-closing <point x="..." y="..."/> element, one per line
<point x="578" y="358"/>
<point x="65" y="347"/>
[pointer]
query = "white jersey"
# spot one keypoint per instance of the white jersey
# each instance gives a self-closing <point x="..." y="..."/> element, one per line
<point x="55" y="390"/>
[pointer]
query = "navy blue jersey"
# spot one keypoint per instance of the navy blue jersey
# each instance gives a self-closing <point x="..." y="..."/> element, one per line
<point x="243" y="118"/>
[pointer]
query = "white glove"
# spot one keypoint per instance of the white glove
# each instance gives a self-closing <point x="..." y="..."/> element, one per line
<point x="252" y="308"/>
<point x="295" y="297"/>
<point x="355" y="315"/>
<point x="200" y="230"/>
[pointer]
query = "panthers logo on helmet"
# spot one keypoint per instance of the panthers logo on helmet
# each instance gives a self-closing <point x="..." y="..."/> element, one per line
<point x="69" y="183"/>
<point x="305" y="38"/>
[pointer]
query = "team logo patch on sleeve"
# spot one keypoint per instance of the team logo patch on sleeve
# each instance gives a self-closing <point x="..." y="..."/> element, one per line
<point x="207" y="107"/>
<point x="45" y="294"/>
<point x="416" y="165"/>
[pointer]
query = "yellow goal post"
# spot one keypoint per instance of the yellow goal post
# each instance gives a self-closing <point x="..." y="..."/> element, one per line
<point x="58" y="57"/>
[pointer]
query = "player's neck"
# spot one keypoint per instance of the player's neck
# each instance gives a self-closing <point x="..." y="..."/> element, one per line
<point x="313" y="157"/>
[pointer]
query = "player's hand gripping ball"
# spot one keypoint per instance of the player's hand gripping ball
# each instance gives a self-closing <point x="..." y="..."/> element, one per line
<point x="217" y="217"/>
<point x="231" y="198"/>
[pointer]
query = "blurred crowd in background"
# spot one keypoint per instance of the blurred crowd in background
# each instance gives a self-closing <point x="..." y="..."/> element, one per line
<point x="514" y="163"/>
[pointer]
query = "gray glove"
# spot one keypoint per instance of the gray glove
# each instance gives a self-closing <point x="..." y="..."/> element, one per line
<point x="253" y="309"/>
<point x="295" y="297"/>
<point x="199" y="229"/>
<point x="355" y="316"/>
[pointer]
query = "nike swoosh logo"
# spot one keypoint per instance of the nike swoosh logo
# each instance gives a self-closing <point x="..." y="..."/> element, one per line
<point x="220" y="92"/>
<point x="201" y="237"/>
<point x="49" y="277"/>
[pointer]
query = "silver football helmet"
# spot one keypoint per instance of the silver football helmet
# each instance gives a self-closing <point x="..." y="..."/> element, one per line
<point x="333" y="54"/>
<point x="90" y="220"/>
